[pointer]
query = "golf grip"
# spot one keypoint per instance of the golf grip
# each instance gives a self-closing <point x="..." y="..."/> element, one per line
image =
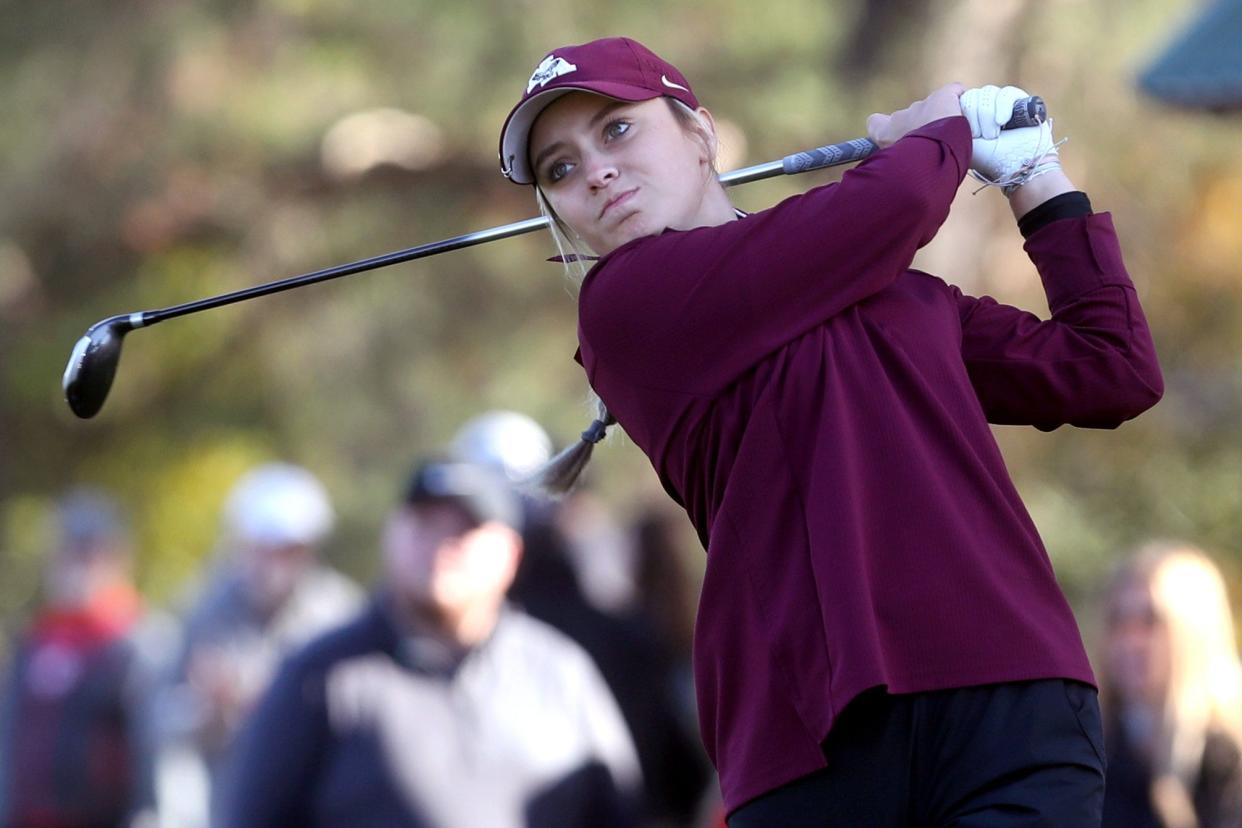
<point x="1026" y="112"/>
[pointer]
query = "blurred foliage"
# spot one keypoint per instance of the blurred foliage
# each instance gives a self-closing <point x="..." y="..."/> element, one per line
<point x="157" y="152"/>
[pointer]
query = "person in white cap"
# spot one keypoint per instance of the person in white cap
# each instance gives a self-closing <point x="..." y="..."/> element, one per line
<point x="508" y="441"/>
<point x="268" y="593"/>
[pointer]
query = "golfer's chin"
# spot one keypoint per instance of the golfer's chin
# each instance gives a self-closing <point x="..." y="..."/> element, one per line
<point x="635" y="225"/>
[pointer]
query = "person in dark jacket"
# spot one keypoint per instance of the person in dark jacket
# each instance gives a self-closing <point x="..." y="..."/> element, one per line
<point x="440" y="705"/>
<point x="642" y="668"/>
<point x="880" y="638"/>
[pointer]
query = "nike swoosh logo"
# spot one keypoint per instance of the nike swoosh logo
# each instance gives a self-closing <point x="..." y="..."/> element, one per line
<point x="664" y="80"/>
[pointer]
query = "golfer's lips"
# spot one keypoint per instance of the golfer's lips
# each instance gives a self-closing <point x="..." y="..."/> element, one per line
<point x="619" y="198"/>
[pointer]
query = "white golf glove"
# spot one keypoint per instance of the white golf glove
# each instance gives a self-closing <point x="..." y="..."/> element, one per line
<point x="1006" y="158"/>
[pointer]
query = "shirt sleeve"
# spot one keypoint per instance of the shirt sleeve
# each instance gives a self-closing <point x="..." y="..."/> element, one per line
<point x="1092" y="364"/>
<point x="277" y="751"/>
<point x="691" y="310"/>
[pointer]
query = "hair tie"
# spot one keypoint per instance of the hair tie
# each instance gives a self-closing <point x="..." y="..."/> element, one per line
<point x="595" y="432"/>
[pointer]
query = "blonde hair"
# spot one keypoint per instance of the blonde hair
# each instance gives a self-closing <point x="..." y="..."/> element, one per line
<point x="572" y="248"/>
<point x="1204" y="687"/>
<point x="559" y="475"/>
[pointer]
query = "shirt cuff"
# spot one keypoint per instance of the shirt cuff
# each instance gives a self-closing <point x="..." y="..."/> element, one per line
<point x="954" y="132"/>
<point x="1066" y="205"/>
<point x="1077" y="256"/>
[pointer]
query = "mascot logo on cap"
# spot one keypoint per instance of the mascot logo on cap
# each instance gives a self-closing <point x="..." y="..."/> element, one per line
<point x="551" y="67"/>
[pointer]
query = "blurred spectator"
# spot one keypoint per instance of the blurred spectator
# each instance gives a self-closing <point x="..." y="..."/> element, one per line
<point x="666" y="591"/>
<point x="667" y="598"/>
<point x="507" y="441"/>
<point x="596" y="548"/>
<point x="1172" y="694"/>
<point x="440" y="705"/>
<point x="601" y="551"/>
<point x="267" y="594"/>
<point x="74" y="746"/>
<point x="649" y="678"/>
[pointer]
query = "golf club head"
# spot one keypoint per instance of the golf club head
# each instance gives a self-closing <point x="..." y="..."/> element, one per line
<point x="92" y="365"/>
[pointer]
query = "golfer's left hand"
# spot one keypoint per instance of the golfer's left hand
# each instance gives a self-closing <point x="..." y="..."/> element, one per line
<point x="886" y="130"/>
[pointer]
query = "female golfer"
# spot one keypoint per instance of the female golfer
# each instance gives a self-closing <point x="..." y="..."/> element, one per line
<point x="881" y="639"/>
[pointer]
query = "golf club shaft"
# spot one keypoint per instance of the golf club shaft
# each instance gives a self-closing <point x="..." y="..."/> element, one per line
<point x="147" y="318"/>
<point x="1026" y="112"/>
<point x="517" y="228"/>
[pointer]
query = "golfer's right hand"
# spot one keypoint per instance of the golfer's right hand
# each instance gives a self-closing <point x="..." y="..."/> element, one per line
<point x="988" y="108"/>
<point x="885" y="130"/>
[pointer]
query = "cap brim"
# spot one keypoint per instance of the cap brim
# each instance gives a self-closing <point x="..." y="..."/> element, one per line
<point x="480" y="493"/>
<point x="515" y="137"/>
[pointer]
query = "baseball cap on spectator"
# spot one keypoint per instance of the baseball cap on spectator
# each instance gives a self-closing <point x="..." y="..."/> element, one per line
<point x="481" y="492"/>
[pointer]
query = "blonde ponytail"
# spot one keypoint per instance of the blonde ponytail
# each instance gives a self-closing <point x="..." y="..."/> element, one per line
<point x="558" y="476"/>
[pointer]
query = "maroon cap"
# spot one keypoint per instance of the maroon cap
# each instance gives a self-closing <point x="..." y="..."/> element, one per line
<point x="616" y="67"/>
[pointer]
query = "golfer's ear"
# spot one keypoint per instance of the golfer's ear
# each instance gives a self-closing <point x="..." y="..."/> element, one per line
<point x="708" y="124"/>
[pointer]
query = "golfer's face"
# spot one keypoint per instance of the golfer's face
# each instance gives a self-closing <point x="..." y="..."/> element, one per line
<point x="616" y="171"/>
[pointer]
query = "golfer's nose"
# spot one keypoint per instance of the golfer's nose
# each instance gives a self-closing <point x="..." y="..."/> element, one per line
<point x="601" y="170"/>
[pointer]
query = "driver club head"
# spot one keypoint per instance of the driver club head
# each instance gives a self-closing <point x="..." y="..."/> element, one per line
<point x="92" y="365"/>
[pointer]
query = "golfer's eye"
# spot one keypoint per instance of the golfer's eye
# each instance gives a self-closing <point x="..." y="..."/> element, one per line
<point x="615" y="129"/>
<point x="557" y="170"/>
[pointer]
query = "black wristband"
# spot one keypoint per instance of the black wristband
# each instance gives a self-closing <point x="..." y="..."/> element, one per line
<point x="1063" y="206"/>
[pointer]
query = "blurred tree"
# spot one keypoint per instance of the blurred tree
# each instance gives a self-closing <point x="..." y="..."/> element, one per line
<point x="884" y="31"/>
<point x="158" y="152"/>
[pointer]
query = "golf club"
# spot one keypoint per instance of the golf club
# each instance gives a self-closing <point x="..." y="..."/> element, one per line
<point x="93" y="362"/>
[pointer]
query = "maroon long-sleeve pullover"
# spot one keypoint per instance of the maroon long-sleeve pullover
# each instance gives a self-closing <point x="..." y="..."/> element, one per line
<point x="821" y="411"/>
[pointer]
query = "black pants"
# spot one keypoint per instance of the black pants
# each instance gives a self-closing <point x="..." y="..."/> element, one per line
<point x="1025" y="753"/>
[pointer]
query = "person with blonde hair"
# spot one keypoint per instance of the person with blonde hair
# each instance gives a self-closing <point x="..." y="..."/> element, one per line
<point x="880" y="637"/>
<point x="1172" y="693"/>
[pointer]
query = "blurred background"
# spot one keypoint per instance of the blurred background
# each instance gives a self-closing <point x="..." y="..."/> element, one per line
<point x="158" y="152"/>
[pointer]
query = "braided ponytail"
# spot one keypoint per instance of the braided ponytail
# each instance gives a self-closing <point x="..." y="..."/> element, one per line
<point x="558" y="475"/>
